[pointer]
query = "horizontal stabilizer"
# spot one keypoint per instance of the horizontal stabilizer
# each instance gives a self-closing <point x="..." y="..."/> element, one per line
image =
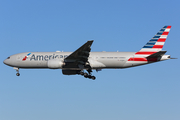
<point x="158" y="54"/>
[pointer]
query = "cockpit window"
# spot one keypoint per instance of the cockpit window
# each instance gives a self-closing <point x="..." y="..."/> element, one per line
<point x="8" y="58"/>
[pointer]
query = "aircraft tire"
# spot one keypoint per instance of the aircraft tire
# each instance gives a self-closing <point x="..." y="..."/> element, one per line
<point x="89" y="76"/>
<point x="86" y="75"/>
<point x="93" y="77"/>
<point x="18" y="74"/>
<point x="82" y="73"/>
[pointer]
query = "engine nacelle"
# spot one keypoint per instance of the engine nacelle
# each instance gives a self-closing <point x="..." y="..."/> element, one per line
<point x="55" y="64"/>
<point x="70" y="72"/>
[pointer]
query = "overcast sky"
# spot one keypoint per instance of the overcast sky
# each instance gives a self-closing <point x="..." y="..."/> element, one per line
<point x="149" y="92"/>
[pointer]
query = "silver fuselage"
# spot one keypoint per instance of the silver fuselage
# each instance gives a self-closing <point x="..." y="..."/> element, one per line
<point x="97" y="60"/>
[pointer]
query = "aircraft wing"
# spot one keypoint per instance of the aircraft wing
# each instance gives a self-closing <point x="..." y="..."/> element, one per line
<point x="158" y="54"/>
<point x="79" y="57"/>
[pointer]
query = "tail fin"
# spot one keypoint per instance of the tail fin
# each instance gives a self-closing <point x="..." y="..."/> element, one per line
<point x="156" y="43"/>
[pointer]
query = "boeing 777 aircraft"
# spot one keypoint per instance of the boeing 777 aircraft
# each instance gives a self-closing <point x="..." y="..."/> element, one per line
<point x="82" y="59"/>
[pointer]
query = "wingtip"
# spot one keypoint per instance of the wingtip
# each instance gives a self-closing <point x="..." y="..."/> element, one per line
<point x="90" y="40"/>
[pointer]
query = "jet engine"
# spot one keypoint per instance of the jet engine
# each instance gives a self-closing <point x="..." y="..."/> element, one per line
<point x="55" y="64"/>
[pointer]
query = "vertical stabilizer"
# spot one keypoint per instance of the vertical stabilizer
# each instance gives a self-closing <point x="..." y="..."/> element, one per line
<point x="153" y="47"/>
<point x="156" y="43"/>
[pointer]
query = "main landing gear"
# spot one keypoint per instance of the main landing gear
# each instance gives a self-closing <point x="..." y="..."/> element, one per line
<point x="17" y="70"/>
<point x="86" y="75"/>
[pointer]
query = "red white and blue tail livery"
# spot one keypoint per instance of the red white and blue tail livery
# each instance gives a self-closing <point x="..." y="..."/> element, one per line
<point x="154" y="45"/>
<point x="157" y="42"/>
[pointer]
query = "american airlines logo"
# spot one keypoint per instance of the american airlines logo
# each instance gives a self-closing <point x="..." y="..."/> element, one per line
<point x="46" y="57"/>
<point x="26" y="57"/>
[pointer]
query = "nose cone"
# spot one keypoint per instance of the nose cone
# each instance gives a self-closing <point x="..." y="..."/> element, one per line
<point x="7" y="62"/>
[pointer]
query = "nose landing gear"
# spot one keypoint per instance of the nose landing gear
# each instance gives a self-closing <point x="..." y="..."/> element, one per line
<point x="17" y="70"/>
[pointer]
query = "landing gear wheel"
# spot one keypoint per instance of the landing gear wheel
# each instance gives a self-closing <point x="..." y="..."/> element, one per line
<point x="81" y="73"/>
<point x="93" y="77"/>
<point x="86" y="75"/>
<point x="89" y="76"/>
<point x="18" y="74"/>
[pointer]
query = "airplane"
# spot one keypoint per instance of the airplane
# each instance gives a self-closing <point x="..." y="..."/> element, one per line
<point x="82" y="60"/>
